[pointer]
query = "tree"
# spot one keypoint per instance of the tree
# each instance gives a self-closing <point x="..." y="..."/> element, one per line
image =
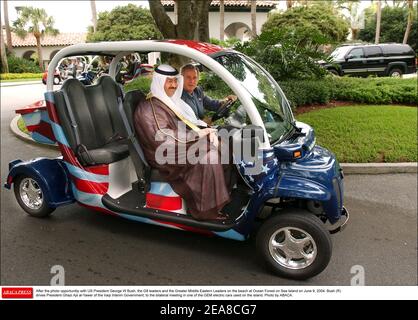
<point x="124" y="23"/>
<point x="222" y="20"/>
<point x="4" y="64"/>
<point x="409" y="23"/>
<point x="7" y="25"/>
<point x="253" y="18"/>
<point x="93" y="14"/>
<point x="356" y="16"/>
<point x="193" y="20"/>
<point x="378" y="21"/>
<point x="319" y="22"/>
<point x="36" y="22"/>
<point x="394" y="20"/>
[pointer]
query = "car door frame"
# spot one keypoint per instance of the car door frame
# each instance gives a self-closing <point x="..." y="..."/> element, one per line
<point x="356" y="66"/>
<point x="375" y="65"/>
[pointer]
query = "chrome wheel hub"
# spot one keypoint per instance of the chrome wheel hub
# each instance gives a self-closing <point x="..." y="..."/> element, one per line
<point x="31" y="193"/>
<point x="292" y="248"/>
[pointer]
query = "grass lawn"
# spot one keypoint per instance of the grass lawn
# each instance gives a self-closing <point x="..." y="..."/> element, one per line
<point x="21" y="80"/>
<point x="366" y="133"/>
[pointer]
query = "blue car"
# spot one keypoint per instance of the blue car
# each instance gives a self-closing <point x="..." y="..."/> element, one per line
<point x="289" y="193"/>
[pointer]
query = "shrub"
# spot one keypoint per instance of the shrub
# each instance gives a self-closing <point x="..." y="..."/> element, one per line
<point x="309" y="92"/>
<point x="284" y="56"/>
<point x="20" y="65"/>
<point x="12" y="76"/>
<point x="228" y="43"/>
<point x="140" y="83"/>
<point x="370" y="90"/>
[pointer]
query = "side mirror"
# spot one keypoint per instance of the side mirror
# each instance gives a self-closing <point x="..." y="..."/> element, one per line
<point x="350" y="56"/>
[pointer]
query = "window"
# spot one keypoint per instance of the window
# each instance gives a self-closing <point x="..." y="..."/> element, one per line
<point x="357" y="53"/>
<point x="397" y="49"/>
<point x="373" y="52"/>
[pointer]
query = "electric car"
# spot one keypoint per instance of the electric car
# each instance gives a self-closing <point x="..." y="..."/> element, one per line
<point x="291" y="205"/>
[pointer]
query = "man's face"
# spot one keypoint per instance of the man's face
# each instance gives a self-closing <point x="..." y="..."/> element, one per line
<point x="190" y="80"/>
<point x="170" y="86"/>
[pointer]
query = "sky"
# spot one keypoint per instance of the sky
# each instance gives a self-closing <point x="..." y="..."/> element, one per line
<point x="69" y="16"/>
<point x="75" y="16"/>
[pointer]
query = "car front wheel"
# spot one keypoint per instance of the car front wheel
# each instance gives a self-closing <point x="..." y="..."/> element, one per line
<point x="31" y="197"/>
<point x="334" y="72"/>
<point x="295" y="245"/>
<point x="57" y="80"/>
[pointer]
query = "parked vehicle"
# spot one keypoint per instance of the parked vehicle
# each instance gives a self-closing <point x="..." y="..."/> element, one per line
<point x="292" y="205"/>
<point x="62" y="72"/>
<point x="389" y="59"/>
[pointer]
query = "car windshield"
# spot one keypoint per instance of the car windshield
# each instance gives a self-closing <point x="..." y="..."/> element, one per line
<point x="339" y="53"/>
<point x="267" y="96"/>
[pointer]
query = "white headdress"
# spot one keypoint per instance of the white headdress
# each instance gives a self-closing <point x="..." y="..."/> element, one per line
<point x="161" y="73"/>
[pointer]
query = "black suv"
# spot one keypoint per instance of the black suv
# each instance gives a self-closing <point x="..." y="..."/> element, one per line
<point x="391" y="60"/>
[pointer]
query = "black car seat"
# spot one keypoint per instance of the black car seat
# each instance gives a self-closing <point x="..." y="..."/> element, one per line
<point x="145" y="173"/>
<point x="91" y="121"/>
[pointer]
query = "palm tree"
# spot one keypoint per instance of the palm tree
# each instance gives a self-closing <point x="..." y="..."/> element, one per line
<point x="93" y="14"/>
<point x="378" y="21"/>
<point x="253" y="18"/>
<point x="222" y="20"/>
<point x="7" y="25"/>
<point x="37" y="22"/>
<point x="4" y="64"/>
<point x="409" y="24"/>
<point x="356" y="16"/>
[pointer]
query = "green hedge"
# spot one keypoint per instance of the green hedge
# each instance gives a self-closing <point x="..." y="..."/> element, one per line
<point x="309" y="92"/>
<point x="363" y="90"/>
<point x="20" y="65"/>
<point x="141" y="83"/>
<point x="12" y="76"/>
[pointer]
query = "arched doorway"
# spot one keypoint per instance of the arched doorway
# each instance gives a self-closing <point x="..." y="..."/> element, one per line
<point x="53" y="53"/>
<point x="28" y="55"/>
<point x="238" y="30"/>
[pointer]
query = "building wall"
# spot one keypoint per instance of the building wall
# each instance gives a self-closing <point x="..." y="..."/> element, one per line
<point x="46" y="52"/>
<point x="230" y="17"/>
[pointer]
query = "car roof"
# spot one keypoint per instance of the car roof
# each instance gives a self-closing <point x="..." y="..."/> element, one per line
<point x="206" y="48"/>
<point x="354" y="45"/>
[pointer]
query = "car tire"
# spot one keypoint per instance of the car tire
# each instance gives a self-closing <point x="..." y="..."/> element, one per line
<point x="57" y="80"/>
<point x="30" y="197"/>
<point x="395" y="73"/>
<point x="334" y="72"/>
<point x="299" y="236"/>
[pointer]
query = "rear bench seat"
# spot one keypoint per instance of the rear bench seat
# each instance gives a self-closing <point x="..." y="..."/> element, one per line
<point x="101" y="133"/>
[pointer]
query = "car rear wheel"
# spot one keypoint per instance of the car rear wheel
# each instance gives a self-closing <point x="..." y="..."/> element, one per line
<point x="30" y="197"/>
<point x="295" y="245"/>
<point x="395" y="73"/>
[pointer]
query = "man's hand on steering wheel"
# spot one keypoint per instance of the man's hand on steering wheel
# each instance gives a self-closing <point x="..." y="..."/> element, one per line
<point x="228" y="99"/>
<point x="223" y="111"/>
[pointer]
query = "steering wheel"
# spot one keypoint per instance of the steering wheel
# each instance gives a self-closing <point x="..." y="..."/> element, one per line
<point x="224" y="110"/>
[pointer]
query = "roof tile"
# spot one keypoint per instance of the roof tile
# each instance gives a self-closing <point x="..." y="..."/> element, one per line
<point x="61" y="39"/>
